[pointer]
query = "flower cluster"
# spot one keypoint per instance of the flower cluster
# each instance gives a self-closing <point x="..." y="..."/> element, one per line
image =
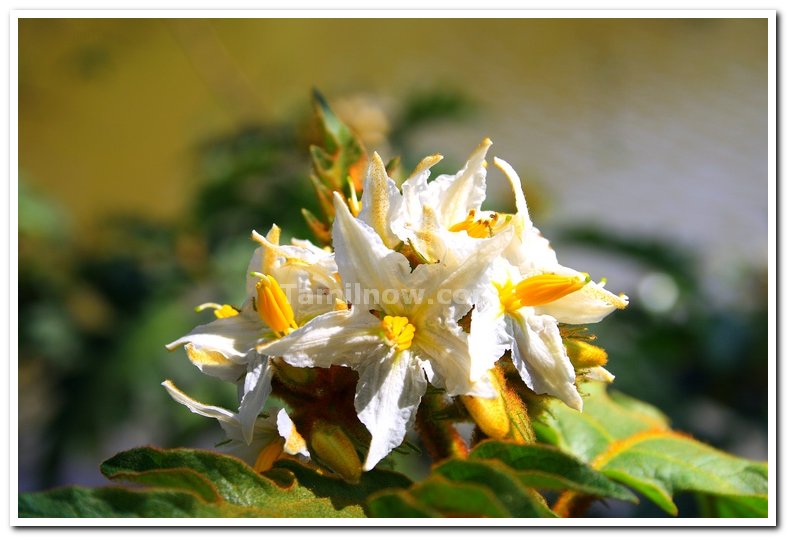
<point x="422" y="288"/>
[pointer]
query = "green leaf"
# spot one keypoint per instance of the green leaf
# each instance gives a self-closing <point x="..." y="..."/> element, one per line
<point x="342" y="155"/>
<point x="399" y="504"/>
<point x="498" y="479"/>
<point x="233" y="481"/>
<point x="70" y="502"/>
<point x="732" y="506"/>
<point x="437" y="496"/>
<point x="660" y="463"/>
<point x="519" y="500"/>
<point x="631" y="442"/>
<point x="195" y="483"/>
<point x="340" y="492"/>
<point x="586" y="434"/>
<point x="545" y="467"/>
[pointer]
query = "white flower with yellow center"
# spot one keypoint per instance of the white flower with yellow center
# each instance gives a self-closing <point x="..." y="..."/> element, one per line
<point x="423" y="215"/>
<point x="522" y="312"/>
<point x="400" y="331"/>
<point x="227" y="347"/>
<point x="271" y="436"/>
<point x="522" y="308"/>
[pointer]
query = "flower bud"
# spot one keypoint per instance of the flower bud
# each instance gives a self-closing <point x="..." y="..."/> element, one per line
<point x="268" y="455"/>
<point x="583" y="355"/>
<point x="335" y="450"/>
<point x="504" y="417"/>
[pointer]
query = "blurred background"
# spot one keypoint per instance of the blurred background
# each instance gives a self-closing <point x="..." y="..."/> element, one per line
<point x="149" y="149"/>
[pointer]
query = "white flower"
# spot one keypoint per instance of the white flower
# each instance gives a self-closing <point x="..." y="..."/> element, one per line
<point x="434" y="215"/>
<point x="522" y="311"/>
<point x="271" y="436"/>
<point x="226" y="347"/>
<point x="394" y="338"/>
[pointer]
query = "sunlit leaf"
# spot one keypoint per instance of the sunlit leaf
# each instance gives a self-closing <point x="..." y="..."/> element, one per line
<point x="631" y="442"/>
<point x="234" y="481"/>
<point x="544" y="467"/>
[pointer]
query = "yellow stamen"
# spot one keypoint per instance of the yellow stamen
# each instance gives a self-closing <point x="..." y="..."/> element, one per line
<point x="583" y="355"/>
<point x="273" y="306"/>
<point x="398" y="332"/>
<point x="268" y="455"/>
<point x="219" y="310"/>
<point x="478" y="228"/>
<point x="509" y="302"/>
<point x="545" y="288"/>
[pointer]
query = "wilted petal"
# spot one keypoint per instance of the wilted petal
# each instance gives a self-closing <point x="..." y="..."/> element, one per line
<point x="256" y="389"/>
<point x="541" y="359"/>
<point x="209" y="411"/>
<point x="598" y="373"/>
<point x="389" y="391"/>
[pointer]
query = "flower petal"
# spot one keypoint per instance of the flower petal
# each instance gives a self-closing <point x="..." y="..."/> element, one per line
<point x="589" y="304"/>
<point x="381" y="202"/>
<point x="233" y="337"/>
<point x="443" y="343"/>
<point x="339" y="337"/>
<point x="294" y="444"/>
<point x="519" y="196"/>
<point x="264" y="258"/>
<point x="466" y="281"/>
<point x="389" y="391"/>
<point x="209" y="411"/>
<point x="363" y="259"/>
<point x="489" y="336"/>
<point x="453" y="196"/>
<point x="213" y="363"/>
<point x="541" y="359"/>
<point x="598" y="373"/>
<point x="256" y="389"/>
<point x="410" y="217"/>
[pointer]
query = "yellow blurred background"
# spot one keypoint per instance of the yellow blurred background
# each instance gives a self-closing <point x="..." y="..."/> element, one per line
<point x="111" y="109"/>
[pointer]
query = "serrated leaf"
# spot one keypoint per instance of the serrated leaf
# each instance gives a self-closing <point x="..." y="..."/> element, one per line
<point x="340" y="492"/>
<point x="498" y="479"/>
<point x="545" y="467"/>
<point x="631" y="442"/>
<point x="519" y="500"/>
<point x="234" y="481"/>
<point x="71" y="502"/>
